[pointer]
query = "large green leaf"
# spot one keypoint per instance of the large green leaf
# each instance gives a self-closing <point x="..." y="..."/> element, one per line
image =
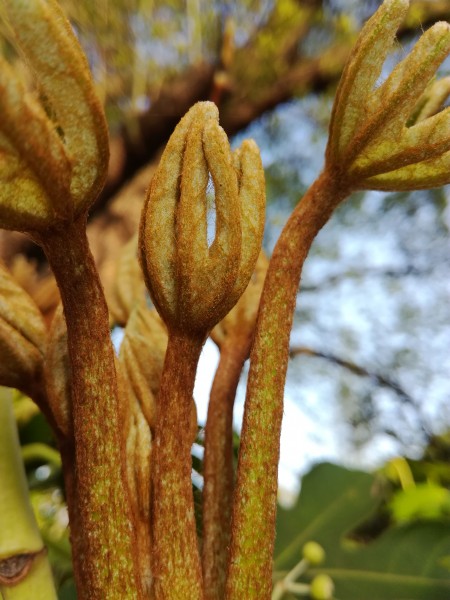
<point x="333" y="500"/>
<point x="405" y="563"/>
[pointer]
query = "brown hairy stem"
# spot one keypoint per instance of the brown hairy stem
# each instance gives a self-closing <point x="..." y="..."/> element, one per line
<point x="254" y="509"/>
<point x="175" y="557"/>
<point x="218" y="472"/>
<point x="108" y="558"/>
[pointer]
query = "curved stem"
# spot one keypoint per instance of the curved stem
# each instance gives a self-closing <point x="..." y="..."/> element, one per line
<point x="42" y="452"/>
<point x="108" y="563"/>
<point x="218" y="472"/>
<point x="254" y="509"/>
<point x="175" y="558"/>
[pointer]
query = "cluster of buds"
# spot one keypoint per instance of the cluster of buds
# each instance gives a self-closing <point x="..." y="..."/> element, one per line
<point x="321" y="586"/>
<point x="193" y="284"/>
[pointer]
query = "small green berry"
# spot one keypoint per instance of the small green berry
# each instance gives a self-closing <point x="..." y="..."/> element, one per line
<point x="313" y="553"/>
<point x="322" y="587"/>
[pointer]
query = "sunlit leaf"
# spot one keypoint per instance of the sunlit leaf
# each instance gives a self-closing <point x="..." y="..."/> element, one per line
<point x="422" y="501"/>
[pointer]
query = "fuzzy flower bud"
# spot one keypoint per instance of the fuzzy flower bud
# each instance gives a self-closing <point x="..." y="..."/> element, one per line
<point x="192" y="283"/>
<point x="372" y="142"/>
<point x="322" y="587"/>
<point x="54" y="156"/>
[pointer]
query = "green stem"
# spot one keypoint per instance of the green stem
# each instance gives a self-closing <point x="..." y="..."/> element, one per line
<point x="288" y="580"/>
<point x="19" y="531"/>
<point x="42" y="452"/>
<point x="218" y="472"/>
<point x="108" y="561"/>
<point x="175" y="558"/>
<point x="254" y="509"/>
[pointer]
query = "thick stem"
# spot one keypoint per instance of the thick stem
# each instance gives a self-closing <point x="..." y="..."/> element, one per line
<point x="176" y="562"/>
<point x="24" y="568"/>
<point x="108" y="561"/>
<point x="254" y="509"/>
<point x="218" y="472"/>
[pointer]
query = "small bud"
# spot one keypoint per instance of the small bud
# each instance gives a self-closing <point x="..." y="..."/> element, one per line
<point x="43" y="290"/>
<point x="322" y="587"/>
<point x="313" y="553"/>
<point x="371" y="145"/>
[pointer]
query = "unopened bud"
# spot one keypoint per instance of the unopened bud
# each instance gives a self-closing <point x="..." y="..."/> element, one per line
<point x="322" y="587"/>
<point x="313" y="553"/>
<point x="373" y="144"/>
<point x="193" y="283"/>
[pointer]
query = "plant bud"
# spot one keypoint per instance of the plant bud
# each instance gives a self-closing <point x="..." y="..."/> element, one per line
<point x="371" y="145"/>
<point x="55" y="157"/>
<point x="313" y="553"/>
<point x="322" y="587"/>
<point x="192" y="283"/>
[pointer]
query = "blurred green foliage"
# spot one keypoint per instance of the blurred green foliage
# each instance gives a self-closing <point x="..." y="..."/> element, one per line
<point x="407" y="560"/>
